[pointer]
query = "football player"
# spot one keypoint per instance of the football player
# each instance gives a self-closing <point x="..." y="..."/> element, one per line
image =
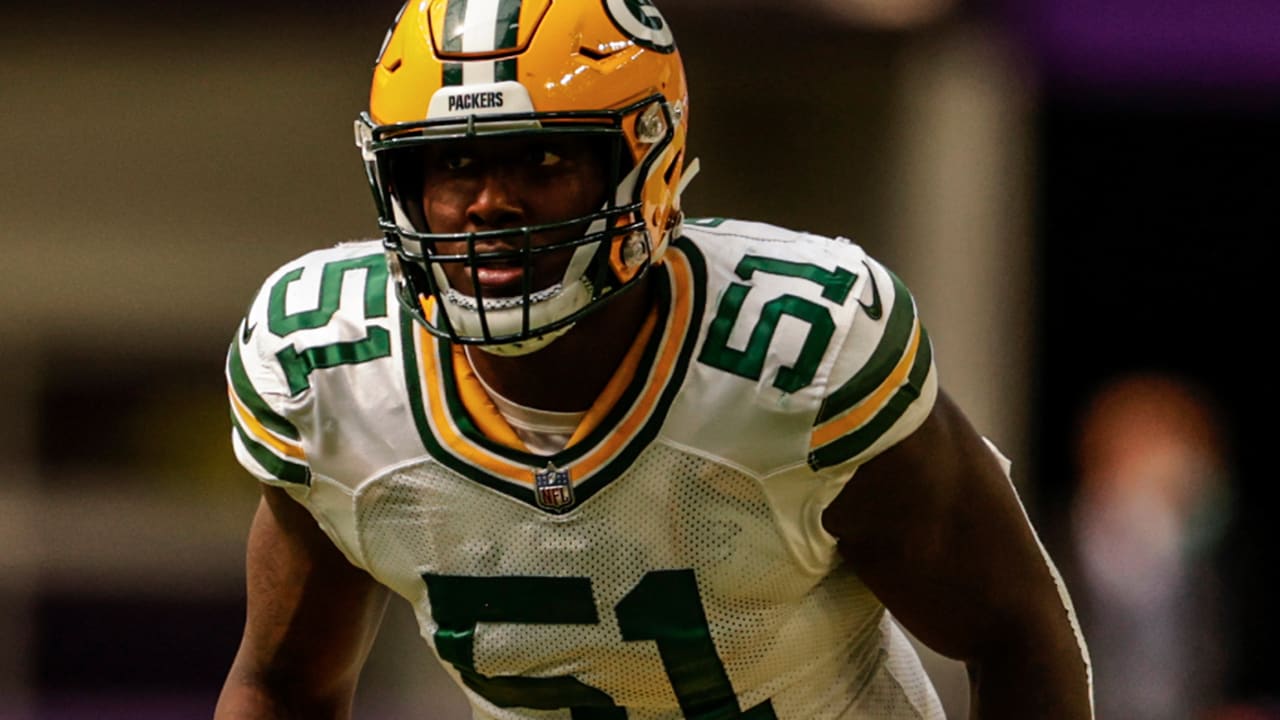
<point x="622" y="464"/>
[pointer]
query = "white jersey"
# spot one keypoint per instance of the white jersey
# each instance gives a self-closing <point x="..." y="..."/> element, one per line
<point x="670" y="562"/>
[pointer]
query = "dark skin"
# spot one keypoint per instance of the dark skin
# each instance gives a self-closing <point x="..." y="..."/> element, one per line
<point x="300" y="657"/>
<point x="932" y="525"/>
<point x="474" y="187"/>
<point x="936" y="531"/>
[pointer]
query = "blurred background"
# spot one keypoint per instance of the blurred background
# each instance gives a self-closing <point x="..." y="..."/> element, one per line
<point x="1082" y="193"/>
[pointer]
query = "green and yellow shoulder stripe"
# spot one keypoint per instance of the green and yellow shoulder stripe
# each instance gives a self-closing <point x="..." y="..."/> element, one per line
<point x="265" y="442"/>
<point x="297" y="325"/>
<point x="884" y="383"/>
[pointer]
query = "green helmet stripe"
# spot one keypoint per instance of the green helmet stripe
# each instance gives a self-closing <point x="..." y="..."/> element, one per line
<point x="504" y="70"/>
<point x="466" y="30"/>
<point x="452" y="74"/>
<point x="455" y="17"/>
<point x="508" y="29"/>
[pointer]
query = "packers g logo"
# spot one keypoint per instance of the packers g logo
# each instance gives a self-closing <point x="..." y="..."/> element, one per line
<point x="641" y="21"/>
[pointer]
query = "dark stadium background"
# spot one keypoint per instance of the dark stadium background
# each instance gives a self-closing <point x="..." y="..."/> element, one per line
<point x="162" y="158"/>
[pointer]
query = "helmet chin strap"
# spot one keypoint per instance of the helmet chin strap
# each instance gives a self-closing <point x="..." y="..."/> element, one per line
<point x="505" y="316"/>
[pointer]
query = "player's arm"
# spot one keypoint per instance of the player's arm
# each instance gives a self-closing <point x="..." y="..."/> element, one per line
<point x="311" y="620"/>
<point x="935" y="529"/>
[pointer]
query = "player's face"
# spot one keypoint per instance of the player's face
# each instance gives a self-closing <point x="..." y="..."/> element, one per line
<point x="497" y="184"/>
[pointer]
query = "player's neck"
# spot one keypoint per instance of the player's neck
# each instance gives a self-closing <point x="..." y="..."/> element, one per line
<point x="570" y="373"/>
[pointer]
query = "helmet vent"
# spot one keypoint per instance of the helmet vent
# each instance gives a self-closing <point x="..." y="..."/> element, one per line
<point x="600" y="52"/>
<point x="671" y="169"/>
<point x="394" y="65"/>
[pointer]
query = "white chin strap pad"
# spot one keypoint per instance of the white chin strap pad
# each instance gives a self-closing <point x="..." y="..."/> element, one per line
<point x="508" y="318"/>
<point x="505" y="316"/>
<point x="526" y="346"/>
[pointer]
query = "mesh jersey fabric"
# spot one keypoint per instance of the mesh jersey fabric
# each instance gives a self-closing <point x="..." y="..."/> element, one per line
<point x="672" y="564"/>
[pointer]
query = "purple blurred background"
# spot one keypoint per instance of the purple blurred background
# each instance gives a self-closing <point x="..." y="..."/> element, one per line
<point x="1188" y="46"/>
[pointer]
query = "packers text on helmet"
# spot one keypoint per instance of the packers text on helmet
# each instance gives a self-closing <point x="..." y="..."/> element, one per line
<point x="603" y="71"/>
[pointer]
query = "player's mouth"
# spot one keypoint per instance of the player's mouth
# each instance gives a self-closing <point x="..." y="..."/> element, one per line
<point x="500" y="280"/>
<point x="505" y="276"/>
<point x="496" y="271"/>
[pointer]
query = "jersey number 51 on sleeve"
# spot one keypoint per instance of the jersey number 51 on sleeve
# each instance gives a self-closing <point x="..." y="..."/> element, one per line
<point x="299" y="364"/>
<point x="749" y="362"/>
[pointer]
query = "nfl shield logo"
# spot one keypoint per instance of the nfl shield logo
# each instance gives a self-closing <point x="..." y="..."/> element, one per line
<point x="553" y="489"/>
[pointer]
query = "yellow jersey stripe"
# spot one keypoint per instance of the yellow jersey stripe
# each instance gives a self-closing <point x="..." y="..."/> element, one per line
<point x="486" y="419"/>
<point x="618" y="384"/>
<point x="261" y="433"/>
<point x="484" y="413"/>
<point x="442" y="424"/>
<point x="659" y="375"/>
<point x="875" y="402"/>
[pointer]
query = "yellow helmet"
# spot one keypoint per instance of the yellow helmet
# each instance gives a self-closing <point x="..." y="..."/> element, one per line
<point x="452" y="69"/>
